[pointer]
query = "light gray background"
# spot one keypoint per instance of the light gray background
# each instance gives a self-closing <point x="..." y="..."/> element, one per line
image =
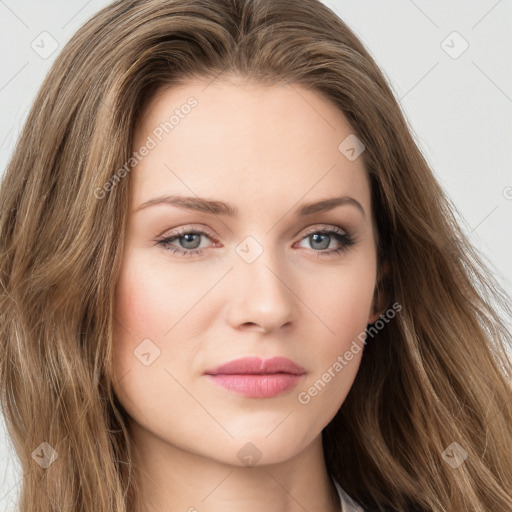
<point x="459" y="107"/>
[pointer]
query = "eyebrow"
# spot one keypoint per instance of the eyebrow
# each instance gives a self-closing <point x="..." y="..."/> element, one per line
<point x="220" y="208"/>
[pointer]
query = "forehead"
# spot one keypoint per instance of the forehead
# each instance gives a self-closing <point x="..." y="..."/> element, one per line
<point x="242" y="140"/>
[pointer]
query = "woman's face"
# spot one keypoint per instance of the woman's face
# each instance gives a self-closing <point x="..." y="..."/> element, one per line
<point x="257" y="278"/>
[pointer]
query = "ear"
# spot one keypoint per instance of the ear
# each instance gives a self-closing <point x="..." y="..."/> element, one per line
<point x="380" y="295"/>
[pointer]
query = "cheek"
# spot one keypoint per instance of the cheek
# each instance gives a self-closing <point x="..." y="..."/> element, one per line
<point x="154" y="296"/>
<point x="133" y="309"/>
<point x="152" y="303"/>
<point x="353" y="305"/>
<point x="337" y="353"/>
<point x="144" y="300"/>
<point x="346" y="303"/>
<point x="135" y="318"/>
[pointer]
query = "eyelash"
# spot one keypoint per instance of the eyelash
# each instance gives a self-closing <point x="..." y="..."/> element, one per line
<point x="343" y="237"/>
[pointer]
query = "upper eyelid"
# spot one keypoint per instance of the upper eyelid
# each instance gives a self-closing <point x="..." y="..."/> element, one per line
<point x="183" y="230"/>
<point x="325" y="227"/>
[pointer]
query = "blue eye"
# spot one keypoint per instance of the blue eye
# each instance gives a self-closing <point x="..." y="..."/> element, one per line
<point x="188" y="238"/>
<point x="190" y="241"/>
<point x="321" y="236"/>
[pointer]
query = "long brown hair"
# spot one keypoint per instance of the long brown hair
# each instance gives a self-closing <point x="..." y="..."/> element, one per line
<point x="437" y="374"/>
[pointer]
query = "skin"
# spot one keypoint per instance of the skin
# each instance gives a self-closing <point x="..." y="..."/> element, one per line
<point x="266" y="150"/>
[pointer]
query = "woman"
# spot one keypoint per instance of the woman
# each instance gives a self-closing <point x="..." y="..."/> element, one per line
<point x="254" y="370"/>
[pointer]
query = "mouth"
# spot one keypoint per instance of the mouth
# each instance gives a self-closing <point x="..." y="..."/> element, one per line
<point x="257" y="378"/>
<point x="257" y="385"/>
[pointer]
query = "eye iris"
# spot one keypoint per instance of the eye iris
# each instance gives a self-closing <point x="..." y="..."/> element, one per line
<point x="187" y="240"/>
<point x="314" y="238"/>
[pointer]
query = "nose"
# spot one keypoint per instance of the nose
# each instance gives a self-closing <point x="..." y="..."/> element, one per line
<point x="261" y="294"/>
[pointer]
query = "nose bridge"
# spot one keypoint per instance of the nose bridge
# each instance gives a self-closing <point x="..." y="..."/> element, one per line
<point x="261" y="294"/>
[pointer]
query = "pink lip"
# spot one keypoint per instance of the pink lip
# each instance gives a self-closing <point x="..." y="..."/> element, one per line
<point x="257" y="378"/>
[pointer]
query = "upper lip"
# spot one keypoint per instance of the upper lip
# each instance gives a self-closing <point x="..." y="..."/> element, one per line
<point x="258" y="366"/>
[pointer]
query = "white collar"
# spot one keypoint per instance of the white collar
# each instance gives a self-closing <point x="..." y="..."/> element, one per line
<point x="347" y="503"/>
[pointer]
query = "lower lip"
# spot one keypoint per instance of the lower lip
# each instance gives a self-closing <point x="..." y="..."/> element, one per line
<point x="257" y="386"/>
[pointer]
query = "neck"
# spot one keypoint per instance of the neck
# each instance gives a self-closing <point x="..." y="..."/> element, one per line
<point x="171" y="478"/>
